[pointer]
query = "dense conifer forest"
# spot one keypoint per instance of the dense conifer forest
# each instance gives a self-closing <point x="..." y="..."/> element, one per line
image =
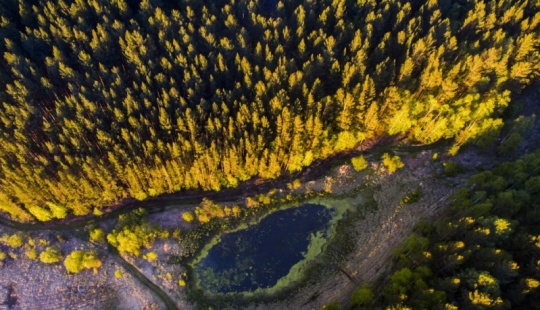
<point x="102" y="100"/>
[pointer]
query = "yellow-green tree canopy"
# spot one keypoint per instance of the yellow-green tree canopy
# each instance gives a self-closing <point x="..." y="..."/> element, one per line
<point x="103" y="102"/>
<point x="50" y="255"/>
<point x="79" y="260"/>
<point x="133" y="233"/>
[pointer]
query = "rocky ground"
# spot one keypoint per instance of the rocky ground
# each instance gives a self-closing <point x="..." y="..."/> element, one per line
<point x="30" y="284"/>
<point x="163" y="273"/>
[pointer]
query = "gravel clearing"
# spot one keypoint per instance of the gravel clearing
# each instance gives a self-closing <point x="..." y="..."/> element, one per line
<point x="34" y="285"/>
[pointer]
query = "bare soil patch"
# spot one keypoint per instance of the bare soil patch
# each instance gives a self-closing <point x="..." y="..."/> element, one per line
<point x="35" y="285"/>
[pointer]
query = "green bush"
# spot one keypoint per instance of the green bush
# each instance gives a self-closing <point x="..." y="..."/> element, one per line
<point x="392" y="163"/>
<point x="51" y="255"/>
<point x="133" y="232"/>
<point x="188" y="216"/>
<point x="362" y="296"/>
<point x="411" y="198"/>
<point x="118" y="274"/>
<point x="97" y="235"/>
<point x="294" y="184"/>
<point x="79" y="260"/>
<point x="451" y="168"/>
<point x="359" y="163"/>
<point x="73" y="262"/>
<point x="150" y="256"/>
<point x="13" y="241"/>
<point x="31" y="253"/>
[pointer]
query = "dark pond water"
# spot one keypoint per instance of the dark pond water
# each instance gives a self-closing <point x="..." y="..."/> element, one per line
<point x="258" y="256"/>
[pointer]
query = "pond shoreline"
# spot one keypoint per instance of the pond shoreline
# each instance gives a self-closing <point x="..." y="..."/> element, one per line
<point x="256" y="257"/>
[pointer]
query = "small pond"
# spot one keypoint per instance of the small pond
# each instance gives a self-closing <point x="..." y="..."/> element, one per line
<point x="258" y="256"/>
